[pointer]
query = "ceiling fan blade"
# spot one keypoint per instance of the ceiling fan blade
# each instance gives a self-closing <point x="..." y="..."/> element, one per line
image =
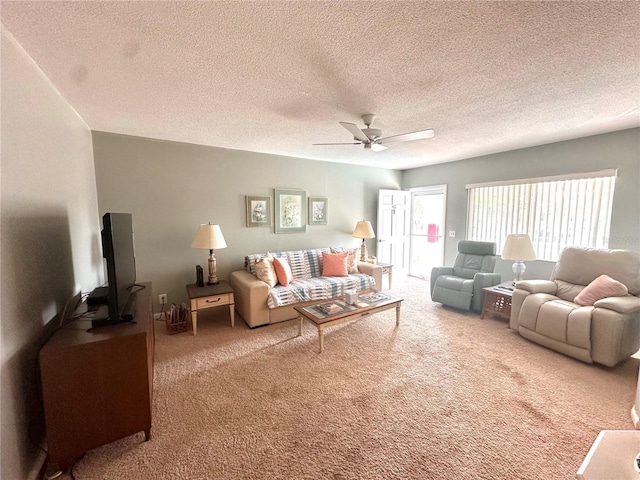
<point x="405" y="137"/>
<point x="348" y="143"/>
<point x="355" y="131"/>
<point x="376" y="147"/>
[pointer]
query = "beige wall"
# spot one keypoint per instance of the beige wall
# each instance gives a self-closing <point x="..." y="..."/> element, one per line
<point x="619" y="150"/>
<point x="171" y="188"/>
<point x="49" y="238"/>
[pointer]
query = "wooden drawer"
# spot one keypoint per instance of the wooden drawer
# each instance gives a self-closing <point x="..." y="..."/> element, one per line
<point x="213" y="301"/>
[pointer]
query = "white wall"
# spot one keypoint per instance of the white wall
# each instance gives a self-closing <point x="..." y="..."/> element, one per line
<point x="171" y="188"/>
<point x="49" y="239"/>
<point x="617" y="150"/>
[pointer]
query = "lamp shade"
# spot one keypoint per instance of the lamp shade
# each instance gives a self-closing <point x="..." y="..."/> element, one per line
<point x="209" y="237"/>
<point x="518" y="247"/>
<point x="363" y="230"/>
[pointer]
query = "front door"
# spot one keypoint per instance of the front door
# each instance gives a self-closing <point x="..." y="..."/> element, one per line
<point x="393" y="229"/>
<point x="428" y="205"/>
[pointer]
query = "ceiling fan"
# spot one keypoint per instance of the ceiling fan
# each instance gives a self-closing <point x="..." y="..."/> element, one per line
<point x="372" y="138"/>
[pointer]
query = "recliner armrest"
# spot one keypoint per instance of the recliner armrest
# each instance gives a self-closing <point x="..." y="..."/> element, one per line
<point x="538" y="286"/>
<point x="436" y="272"/>
<point x="487" y="279"/>
<point x="480" y="281"/>
<point x="627" y="304"/>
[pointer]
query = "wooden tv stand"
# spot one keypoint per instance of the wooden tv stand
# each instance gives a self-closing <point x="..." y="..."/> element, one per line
<point x="97" y="386"/>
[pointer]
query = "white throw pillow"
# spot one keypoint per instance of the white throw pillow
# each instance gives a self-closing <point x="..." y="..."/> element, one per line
<point x="265" y="271"/>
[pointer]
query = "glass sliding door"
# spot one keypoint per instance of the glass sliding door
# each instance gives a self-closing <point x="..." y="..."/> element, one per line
<point x="428" y="206"/>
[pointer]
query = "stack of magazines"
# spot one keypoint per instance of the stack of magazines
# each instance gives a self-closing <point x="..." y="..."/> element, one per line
<point x="373" y="297"/>
<point x="330" y="308"/>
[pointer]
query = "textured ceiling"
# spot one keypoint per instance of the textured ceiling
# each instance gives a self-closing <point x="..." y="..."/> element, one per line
<point x="278" y="76"/>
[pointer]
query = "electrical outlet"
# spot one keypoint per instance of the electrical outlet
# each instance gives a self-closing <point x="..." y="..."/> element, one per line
<point x="452" y="233"/>
<point x="162" y="298"/>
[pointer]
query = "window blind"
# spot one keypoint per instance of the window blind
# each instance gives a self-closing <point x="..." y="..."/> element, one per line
<point x="556" y="212"/>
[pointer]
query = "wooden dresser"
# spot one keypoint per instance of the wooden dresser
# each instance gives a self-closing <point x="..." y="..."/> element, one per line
<point x="97" y="386"/>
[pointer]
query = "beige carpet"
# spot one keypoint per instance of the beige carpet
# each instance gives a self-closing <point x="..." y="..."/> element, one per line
<point x="444" y="395"/>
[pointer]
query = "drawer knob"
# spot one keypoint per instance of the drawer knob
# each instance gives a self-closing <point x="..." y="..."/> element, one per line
<point x="213" y="301"/>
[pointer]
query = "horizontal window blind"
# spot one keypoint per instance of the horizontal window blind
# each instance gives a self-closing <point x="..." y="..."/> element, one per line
<point x="556" y="213"/>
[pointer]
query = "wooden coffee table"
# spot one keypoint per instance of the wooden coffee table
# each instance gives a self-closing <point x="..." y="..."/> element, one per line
<point x="344" y="312"/>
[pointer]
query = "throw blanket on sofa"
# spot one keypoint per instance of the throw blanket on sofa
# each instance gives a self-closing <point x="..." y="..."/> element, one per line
<point x="308" y="283"/>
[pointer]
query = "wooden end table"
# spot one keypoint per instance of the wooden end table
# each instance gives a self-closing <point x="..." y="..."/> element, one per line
<point x="210" y="296"/>
<point x="497" y="300"/>
<point x="362" y="308"/>
<point x="387" y="269"/>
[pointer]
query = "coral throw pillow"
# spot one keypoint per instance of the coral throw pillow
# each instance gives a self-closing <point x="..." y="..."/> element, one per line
<point x="283" y="271"/>
<point x="334" y="264"/>
<point x="265" y="271"/>
<point x="353" y="255"/>
<point x="602" y="287"/>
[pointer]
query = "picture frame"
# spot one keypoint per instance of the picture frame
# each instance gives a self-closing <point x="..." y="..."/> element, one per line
<point x="258" y="210"/>
<point x="318" y="210"/>
<point x="290" y="211"/>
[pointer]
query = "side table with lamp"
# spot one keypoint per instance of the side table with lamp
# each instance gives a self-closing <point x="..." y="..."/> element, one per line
<point x="497" y="300"/>
<point x="215" y="293"/>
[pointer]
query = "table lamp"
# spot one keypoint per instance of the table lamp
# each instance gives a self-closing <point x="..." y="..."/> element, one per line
<point x="363" y="230"/>
<point x="210" y="236"/>
<point x="518" y="248"/>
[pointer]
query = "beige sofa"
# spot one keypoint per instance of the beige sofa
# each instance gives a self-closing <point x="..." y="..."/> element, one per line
<point x="607" y="332"/>
<point x="259" y="304"/>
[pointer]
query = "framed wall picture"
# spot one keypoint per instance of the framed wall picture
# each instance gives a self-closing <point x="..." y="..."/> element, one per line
<point x="258" y="211"/>
<point x="291" y="211"/>
<point x="318" y="210"/>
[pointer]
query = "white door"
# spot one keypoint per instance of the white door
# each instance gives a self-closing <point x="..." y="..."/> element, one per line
<point x="428" y="207"/>
<point x="394" y="209"/>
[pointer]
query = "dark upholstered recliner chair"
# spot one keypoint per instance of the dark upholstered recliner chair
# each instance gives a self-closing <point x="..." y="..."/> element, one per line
<point x="461" y="286"/>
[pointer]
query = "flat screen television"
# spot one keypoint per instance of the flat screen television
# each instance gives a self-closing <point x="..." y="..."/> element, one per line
<point x="119" y="253"/>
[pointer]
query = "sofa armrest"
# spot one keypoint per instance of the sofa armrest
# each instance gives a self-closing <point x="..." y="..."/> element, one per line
<point x="250" y="295"/>
<point x="436" y="272"/>
<point x="480" y="281"/>
<point x="538" y="286"/>
<point x="627" y="304"/>
<point x="374" y="270"/>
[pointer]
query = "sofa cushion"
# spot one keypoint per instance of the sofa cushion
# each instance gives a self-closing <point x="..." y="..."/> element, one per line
<point x="318" y="288"/>
<point x="602" y="287"/>
<point x="452" y="282"/>
<point x="298" y="263"/>
<point x="567" y="291"/>
<point x="283" y="271"/>
<point x="467" y="265"/>
<point x="265" y="271"/>
<point x="334" y="264"/>
<point x="353" y="254"/>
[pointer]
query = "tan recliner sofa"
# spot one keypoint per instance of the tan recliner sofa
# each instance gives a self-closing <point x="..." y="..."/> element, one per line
<point x="606" y="332"/>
